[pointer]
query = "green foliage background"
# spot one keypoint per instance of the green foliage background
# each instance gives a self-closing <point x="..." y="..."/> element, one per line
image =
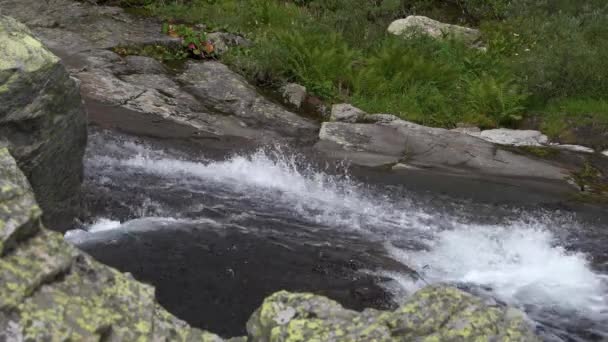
<point x="548" y="57"/>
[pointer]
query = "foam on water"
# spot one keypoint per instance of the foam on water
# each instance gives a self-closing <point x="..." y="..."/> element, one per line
<point x="103" y="224"/>
<point x="522" y="262"/>
<point x="325" y="199"/>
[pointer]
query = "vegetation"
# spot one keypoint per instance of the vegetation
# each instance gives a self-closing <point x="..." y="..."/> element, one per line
<point x="548" y="57"/>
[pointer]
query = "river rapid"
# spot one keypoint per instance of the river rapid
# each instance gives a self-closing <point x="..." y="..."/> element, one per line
<point x="215" y="232"/>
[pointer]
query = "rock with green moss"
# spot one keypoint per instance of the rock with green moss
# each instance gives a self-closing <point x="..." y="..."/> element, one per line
<point x="436" y="313"/>
<point x="49" y="291"/>
<point x="42" y="120"/>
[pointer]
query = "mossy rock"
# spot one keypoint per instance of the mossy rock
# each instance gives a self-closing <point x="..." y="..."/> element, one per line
<point x="435" y="313"/>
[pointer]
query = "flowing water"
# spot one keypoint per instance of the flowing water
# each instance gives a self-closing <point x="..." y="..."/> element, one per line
<point x="551" y="264"/>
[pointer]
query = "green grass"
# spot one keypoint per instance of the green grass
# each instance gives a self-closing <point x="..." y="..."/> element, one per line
<point x="546" y="56"/>
<point x="561" y="115"/>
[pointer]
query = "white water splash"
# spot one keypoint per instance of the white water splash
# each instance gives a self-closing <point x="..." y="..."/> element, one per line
<point x="103" y="224"/>
<point x="321" y="198"/>
<point x="523" y="263"/>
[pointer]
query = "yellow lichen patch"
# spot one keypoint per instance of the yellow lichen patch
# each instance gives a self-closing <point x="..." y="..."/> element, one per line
<point x="20" y="50"/>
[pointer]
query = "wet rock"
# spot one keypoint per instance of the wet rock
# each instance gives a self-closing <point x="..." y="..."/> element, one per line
<point x="294" y="94"/>
<point x="143" y="85"/>
<point x="50" y="291"/>
<point x="42" y="120"/>
<point x="436" y="313"/>
<point x="222" y="91"/>
<point x="428" y="148"/>
<point x="345" y="112"/>
<point x="433" y="28"/>
<point x="504" y="136"/>
<point x="223" y="41"/>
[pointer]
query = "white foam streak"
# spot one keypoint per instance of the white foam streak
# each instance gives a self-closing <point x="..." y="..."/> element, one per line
<point x="324" y="199"/>
<point x="522" y="262"/>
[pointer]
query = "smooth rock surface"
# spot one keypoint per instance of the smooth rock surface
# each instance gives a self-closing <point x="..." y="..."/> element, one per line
<point x="436" y="313"/>
<point x="513" y="137"/>
<point x="294" y="94"/>
<point x="429" y="148"/>
<point x="224" y="92"/>
<point x="49" y="291"/>
<point x="423" y="25"/>
<point x="345" y="112"/>
<point x="42" y="120"/>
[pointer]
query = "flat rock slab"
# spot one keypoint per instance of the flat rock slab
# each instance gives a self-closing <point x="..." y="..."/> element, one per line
<point x="427" y="148"/>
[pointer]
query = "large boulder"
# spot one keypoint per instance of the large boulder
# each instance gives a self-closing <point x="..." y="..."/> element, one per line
<point x="415" y="24"/>
<point x="42" y="120"/>
<point x="436" y="313"/>
<point x="428" y="148"/>
<point x="49" y="291"/>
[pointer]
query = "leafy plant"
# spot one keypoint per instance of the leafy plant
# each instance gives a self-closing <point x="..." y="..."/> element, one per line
<point x="194" y="41"/>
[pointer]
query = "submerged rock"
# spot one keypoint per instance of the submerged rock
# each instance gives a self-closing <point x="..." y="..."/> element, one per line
<point x="436" y="313"/>
<point x="42" y="120"/>
<point x="423" y="25"/>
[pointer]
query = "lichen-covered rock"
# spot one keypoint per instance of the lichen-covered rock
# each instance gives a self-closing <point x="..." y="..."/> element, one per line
<point x="18" y="209"/>
<point x="49" y="291"/>
<point x="42" y="121"/>
<point x="436" y="313"/>
<point x="415" y="24"/>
